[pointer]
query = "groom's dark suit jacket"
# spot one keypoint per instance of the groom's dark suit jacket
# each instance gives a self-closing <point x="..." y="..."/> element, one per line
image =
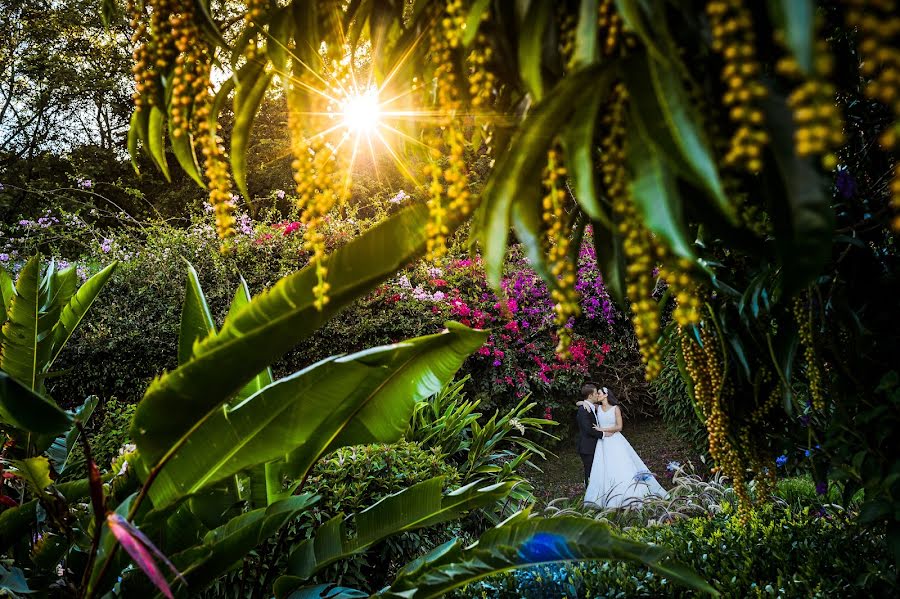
<point x="587" y="438"/>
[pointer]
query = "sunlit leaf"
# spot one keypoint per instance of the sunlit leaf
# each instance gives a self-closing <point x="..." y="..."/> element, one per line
<point x="419" y="506"/>
<point x="366" y="397"/>
<point x="75" y="310"/>
<point x="252" y="82"/>
<point x="656" y="195"/>
<point x="196" y="319"/>
<point x="517" y="173"/>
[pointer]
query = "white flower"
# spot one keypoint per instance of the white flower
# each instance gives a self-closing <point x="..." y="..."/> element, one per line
<point x="514" y="422"/>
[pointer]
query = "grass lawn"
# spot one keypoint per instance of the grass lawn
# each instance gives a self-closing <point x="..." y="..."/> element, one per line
<point x="562" y="475"/>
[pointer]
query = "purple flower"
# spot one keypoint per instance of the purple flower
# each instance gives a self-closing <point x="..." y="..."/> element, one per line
<point x="401" y="195"/>
<point x="106" y="246"/>
<point x="438" y="296"/>
<point x="4" y="257"/>
<point x="86" y="183"/>
<point x="497" y="363"/>
<point x="822" y="487"/>
<point x="781" y="460"/>
<point x="280" y="194"/>
<point x="846" y="184"/>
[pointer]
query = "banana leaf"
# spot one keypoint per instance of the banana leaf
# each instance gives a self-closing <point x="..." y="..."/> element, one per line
<point x="366" y="397"/>
<point x="419" y="506"/>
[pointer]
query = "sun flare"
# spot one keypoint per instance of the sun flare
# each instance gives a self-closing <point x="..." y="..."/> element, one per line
<point x="362" y="111"/>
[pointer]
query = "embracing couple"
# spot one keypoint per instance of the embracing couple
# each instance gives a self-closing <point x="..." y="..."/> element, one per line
<point x="614" y="475"/>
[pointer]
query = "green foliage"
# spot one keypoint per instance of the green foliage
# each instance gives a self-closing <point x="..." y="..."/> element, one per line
<point x="354" y="478"/>
<point x="498" y="448"/>
<point x="778" y="552"/>
<point x="107" y="433"/>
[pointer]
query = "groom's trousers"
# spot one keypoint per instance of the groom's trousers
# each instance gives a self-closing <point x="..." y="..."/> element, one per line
<point x="588" y="460"/>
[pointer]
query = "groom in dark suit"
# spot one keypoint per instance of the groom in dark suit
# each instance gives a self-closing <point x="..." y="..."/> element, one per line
<point x="587" y="436"/>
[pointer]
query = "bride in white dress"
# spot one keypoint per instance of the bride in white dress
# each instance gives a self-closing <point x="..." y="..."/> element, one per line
<point x="619" y="478"/>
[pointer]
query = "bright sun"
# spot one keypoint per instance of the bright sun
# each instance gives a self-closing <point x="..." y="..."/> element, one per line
<point x="361" y="111"/>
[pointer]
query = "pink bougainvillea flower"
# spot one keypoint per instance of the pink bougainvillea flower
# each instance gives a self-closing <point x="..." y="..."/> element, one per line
<point x="142" y="551"/>
<point x="439" y="282"/>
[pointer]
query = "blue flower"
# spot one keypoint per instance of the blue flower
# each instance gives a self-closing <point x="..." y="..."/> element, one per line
<point x="807" y="453"/>
<point x="781" y="460"/>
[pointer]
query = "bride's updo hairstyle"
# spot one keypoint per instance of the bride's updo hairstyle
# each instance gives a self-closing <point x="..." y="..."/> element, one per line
<point x="610" y="396"/>
<point x="588" y="390"/>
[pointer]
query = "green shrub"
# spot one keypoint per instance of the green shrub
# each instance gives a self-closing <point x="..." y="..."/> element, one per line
<point x="354" y="478"/>
<point x="107" y="432"/>
<point x="779" y="553"/>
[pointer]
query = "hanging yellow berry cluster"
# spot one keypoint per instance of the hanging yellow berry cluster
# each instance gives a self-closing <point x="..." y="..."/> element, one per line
<point x="686" y="289"/>
<point x="611" y="27"/>
<point x="144" y="68"/>
<point x="558" y="228"/>
<point x="482" y="80"/>
<point x="567" y="24"/>
<point x="190" y="77"/>
<point x="820" y="126"/>
<point x="878" y="30"/>
<point x="451" y="182"/>
<point x="704" y="367"/>
<point x="168" y="36"/>
<point x="639" y="246"/>
<point x="734" y="40"/>
<point x="803" y="316"/>
<point x="321" y="169"/>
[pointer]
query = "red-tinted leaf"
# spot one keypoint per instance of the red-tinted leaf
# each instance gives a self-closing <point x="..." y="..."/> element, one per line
<point x="8" y="501"/>
<point x="137" y="545"/>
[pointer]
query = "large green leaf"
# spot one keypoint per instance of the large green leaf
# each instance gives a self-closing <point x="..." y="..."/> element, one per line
<point x="673" y="127"/>
<point x="183" y="148"/>
<point x="7" y="293"/>
<point x="263" y="379"/>
<point x="76" y="308"/>
<point x="578" y="142"/>
<point x="523" y="541"/>
<point x="517" y="170"/>
<point x="137" y="131"/>
<point x="26" y="410"/>
<point x="419" y="506"/>
<point x="224" y="547"/>
<point x="611" y="261"/>
<point x="796" y="20"/>
<point x="366" y="397"/>
<point x="800" y="208"/>
<point x="252" y="82"/>
<point x="20" y="353"/>
<point x="586" y="42"/>
<point x="34" y="471"/>
<point x="196" y="319"/>
<point x="271" y="324"/>
<point x="538" y="16"/>
<point x="655" y="192"/>
<point x="156" y="140"/>
<point x="61" y="448"/>
<point x="635" y="15"/>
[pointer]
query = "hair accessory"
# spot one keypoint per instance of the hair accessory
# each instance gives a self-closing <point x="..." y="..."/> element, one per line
<point x="605" y="390"/>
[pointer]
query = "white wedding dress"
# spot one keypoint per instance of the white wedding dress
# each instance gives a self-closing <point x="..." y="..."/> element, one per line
<point x="619" y="478"/>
